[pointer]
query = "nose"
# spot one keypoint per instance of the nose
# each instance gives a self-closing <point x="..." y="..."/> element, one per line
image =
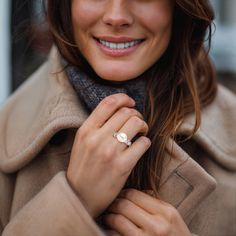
<point x="117" y="14"/>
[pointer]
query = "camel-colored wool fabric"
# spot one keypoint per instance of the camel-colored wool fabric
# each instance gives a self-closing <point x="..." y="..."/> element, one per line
<point x="37" y="128"/>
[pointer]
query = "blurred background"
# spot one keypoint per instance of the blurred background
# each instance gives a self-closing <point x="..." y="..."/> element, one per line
<point x="25" y="42"/>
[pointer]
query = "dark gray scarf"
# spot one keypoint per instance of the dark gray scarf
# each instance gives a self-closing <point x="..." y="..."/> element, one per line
<point x="91" y="91"/>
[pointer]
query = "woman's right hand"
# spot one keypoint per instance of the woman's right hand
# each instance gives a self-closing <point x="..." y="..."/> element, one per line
<point x="100" y="165"/>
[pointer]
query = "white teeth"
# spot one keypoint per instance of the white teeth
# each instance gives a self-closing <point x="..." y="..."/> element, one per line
<point x="126" y="45"/>
<point x="112" y="45"/>
<point x="119" y="45"/>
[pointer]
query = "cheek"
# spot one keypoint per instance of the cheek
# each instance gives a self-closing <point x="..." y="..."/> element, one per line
<point x="157" y="17"/>
<point x="84" y="15"/>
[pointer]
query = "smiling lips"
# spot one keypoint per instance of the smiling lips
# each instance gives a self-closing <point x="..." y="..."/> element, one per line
<point x="121" y="46"/>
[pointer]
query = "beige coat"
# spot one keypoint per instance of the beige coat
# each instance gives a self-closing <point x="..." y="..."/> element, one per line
<point x="35" y="198"/>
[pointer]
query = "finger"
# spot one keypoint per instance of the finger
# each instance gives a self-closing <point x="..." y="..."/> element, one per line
<point x="134" y="126"/>
<point x="132" y="212"/>
<point x="112" y="233"/>
<point x="131" y="128"/>
<point x="106" y="108"/>
<point x="121" y="225"/>
<point x="151" y="193"/>
<point x="133" y="153"/>
<point x="145" y="201"/>
<point x="118" y="119"/>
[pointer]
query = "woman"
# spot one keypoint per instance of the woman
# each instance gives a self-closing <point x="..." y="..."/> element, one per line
<point x="124" y="125"/>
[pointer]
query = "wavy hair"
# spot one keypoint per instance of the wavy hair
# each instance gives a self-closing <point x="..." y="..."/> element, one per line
<point x="182" y="81"/>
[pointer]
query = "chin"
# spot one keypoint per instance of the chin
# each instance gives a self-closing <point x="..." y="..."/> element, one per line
<point x="117" y="74"/>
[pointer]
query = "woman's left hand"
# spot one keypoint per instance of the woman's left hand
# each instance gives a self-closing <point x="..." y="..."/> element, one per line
<point x="135" y="213"/>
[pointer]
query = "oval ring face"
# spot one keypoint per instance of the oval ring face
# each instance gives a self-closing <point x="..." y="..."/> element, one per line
<point x="122" y="138"/>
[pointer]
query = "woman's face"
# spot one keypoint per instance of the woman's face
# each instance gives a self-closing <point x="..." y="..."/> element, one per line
<point x="122" y="38"/>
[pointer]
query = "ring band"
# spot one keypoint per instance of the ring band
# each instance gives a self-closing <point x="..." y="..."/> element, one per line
<point x="122" y="138"/>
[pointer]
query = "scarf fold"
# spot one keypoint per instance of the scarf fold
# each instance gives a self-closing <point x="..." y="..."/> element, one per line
<point x="92" y="90"/>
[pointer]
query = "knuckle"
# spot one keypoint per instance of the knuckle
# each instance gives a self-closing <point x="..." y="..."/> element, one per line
<point x="113" y="100"/>
<point x="172" y="213"/>
<point x="145" y="125"/>
<point x="137" y="121"/>
<point x="164" y="229"/>
<point x="81" y="132"/>
<point x="108" y="154"/>
<point x="141" y="124"/>
<point x="122" y="204"/>
<point x="81" y="135"/>
<point x="117" y="219"/>
<point x="124" y="96"/>
<point x="130" y="112"/>
<point x="92" y="141"/>
<point x="145" y="140"/>
<point x="139" y="115"/>
<point x="130" y="193"/>
<point x="109" y="100"/>
<point x="126" y="111"/>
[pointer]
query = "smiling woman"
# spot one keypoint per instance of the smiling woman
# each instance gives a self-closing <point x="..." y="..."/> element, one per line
<point x="124" y="130"/>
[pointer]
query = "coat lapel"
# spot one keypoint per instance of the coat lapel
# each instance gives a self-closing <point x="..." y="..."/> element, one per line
<point x="43" y="105"/>
<point x="184" y="183"/>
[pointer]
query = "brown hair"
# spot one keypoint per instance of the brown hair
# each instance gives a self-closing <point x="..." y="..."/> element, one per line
<point x="180" y="82"/>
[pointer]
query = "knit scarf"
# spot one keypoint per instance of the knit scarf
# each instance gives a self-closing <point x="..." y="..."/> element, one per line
<point x="92" y="90"/>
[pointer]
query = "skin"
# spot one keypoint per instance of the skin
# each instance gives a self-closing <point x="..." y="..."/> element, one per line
<point x="149" y="19"/>
<point x="110" y="164"/>
<point x="137" y="213"/>
<point x="92" y="159"/>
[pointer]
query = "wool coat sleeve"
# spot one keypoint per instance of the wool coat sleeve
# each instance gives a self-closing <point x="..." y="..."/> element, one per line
<point x="55" y="210"/>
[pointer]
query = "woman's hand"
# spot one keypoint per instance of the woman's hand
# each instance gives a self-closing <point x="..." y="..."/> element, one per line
<point x="99" y="164"/>
<point x="136" y="213"/>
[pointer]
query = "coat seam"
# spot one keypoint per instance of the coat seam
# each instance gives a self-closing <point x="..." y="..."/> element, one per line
<point x="190" y="186"/>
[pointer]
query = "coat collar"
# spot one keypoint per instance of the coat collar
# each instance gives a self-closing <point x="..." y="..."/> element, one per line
<point x="46" y="103"/>
<point x="43" y="105"/>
